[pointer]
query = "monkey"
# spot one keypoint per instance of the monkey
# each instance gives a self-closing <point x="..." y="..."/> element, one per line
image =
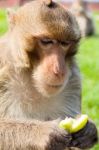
<point x="40" y="81"/>
<point x="84" y="18"/>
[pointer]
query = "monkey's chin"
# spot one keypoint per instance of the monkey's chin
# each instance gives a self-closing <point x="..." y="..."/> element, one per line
<point x="50" y="90"/>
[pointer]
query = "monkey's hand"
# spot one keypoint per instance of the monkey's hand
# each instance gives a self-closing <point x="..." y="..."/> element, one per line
<point x="86" y="137"/>
<point x="58" y="139"/>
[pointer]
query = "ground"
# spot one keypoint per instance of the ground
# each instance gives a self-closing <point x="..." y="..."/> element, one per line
<point x="88" y="60"/>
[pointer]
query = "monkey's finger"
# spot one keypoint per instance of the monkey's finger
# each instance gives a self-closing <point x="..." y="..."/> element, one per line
<point x="84" y="142"/>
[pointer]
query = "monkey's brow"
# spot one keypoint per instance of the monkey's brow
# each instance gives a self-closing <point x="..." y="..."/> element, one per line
<point x="42" y="36"/>
<point x="39" y="37"/>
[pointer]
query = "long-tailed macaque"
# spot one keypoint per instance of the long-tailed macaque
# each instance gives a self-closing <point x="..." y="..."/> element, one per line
<point x="39" y="80"/>
<point x="85" y="21"/>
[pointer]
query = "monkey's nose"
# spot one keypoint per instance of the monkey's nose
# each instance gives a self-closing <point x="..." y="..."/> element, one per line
<point x="58" y="71"/>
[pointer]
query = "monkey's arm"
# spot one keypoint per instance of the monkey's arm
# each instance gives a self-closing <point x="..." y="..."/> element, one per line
<point x="32" y="135"/>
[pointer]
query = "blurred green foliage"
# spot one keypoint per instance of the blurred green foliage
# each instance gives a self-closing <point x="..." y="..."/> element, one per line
<point x="88" y="59"/>
<point x="3" y="21"/>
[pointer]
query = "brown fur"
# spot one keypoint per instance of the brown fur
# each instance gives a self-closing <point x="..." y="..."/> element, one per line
<point x="39" y="81"/>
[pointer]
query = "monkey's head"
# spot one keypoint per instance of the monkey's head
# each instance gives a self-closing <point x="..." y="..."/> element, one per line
<point x="45" y="37"/>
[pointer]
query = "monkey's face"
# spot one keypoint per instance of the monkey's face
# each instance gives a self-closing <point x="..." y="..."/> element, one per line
<point x="52" y="72"/>
<point x="47" y="36"/>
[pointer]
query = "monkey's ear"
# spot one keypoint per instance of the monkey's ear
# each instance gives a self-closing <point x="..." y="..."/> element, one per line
<point x="48" y="2"/>
<point x="22" y="60"/>
<point x="11" y="15"/>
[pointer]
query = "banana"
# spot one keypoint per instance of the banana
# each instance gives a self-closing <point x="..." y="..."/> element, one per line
<point x="74" y="125"/>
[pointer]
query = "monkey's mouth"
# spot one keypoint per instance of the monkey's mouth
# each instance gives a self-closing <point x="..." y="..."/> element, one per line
<point x="54" y="86"/>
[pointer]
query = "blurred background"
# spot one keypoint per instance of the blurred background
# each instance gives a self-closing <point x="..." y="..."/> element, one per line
<point x="87" y="15"/>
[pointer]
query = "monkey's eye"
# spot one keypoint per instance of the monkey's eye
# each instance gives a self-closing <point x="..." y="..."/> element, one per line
<point x="47" y="41"/>
<point x="66" y="43"/>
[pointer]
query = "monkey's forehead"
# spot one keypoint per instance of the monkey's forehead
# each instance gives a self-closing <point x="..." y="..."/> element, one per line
<point x="54" y="20"/>
<point x="61" y="23"/>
